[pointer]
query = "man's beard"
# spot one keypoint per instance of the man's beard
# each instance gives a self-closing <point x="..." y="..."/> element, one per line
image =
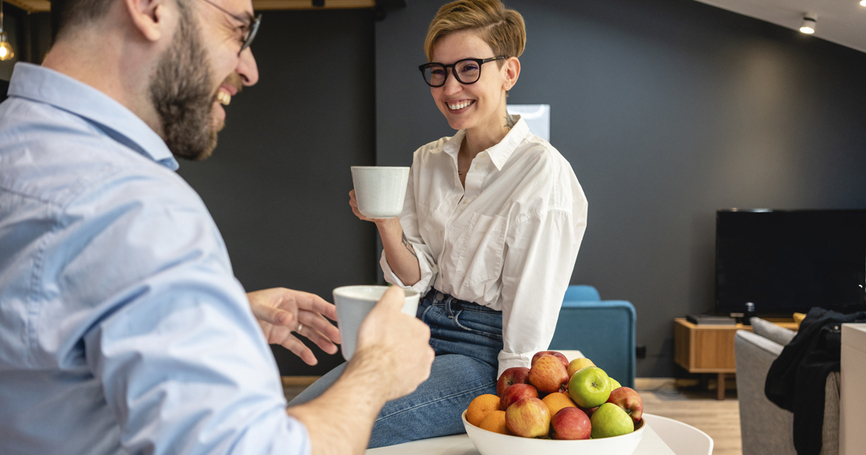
<point x="182" y="95"/>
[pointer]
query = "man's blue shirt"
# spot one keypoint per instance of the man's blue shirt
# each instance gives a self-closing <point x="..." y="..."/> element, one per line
<point x="122" y="327"/>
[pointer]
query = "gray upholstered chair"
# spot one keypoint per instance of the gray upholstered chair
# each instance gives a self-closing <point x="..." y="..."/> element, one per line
<point x="764" y="427"/>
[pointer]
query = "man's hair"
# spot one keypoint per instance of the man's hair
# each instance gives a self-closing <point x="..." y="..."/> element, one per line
<point x="68" y="13"/>
<point x="502" y="29"/>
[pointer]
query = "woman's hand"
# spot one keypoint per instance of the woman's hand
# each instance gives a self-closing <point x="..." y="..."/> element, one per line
<point x="281" y="312"/>
<point x="353" y="202"/>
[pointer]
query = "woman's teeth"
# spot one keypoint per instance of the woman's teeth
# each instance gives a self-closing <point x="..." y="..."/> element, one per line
<point x="224" y="98"/>
<point x="458" y="106"/>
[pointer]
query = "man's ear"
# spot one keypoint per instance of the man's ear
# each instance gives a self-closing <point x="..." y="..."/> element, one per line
<point x="512" y="72"/>
<point x="149" y="17"/>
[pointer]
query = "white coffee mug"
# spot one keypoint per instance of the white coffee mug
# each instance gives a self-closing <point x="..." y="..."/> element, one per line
<point x="354" y="303"/>
<point x="379" y="190"/>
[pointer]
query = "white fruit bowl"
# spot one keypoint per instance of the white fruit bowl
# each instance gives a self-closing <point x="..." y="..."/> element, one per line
<point x="490" y="443"/>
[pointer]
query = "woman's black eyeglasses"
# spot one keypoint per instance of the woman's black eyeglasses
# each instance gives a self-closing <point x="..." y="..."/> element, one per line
<point x="466" y="71"/>
<point x="250" y="27"/>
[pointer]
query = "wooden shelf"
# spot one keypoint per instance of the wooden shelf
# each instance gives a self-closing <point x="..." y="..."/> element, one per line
<point x="710" y="348"/>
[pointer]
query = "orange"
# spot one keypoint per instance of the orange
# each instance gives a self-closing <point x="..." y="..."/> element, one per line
<point x="480" y="407"/>
<point x="556" y="401"/>
<point x="495" y="422"/>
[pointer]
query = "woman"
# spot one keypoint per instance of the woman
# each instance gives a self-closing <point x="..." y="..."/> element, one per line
<point x="490" y="228"/>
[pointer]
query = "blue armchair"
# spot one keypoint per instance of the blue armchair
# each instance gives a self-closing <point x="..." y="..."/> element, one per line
<point x="603" y="330"/>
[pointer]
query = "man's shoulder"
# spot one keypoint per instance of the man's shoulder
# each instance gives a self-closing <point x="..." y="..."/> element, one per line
<point x="55" y="156"/>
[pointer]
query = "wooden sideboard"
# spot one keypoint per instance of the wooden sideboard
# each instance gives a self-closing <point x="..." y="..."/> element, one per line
<point x="710" y="348"/>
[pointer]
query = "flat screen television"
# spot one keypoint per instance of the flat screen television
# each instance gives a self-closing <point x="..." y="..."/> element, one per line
<point x="787" y="261"/>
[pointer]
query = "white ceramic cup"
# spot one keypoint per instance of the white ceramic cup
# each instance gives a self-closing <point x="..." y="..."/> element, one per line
<point x="379" y="190"/>
<point x="354" y="303"/>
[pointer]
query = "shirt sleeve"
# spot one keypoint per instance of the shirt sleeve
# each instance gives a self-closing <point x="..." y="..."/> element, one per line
<point x="182" y="362"/>
<point x="540" y="254"/>
<point x="409" y="224"/>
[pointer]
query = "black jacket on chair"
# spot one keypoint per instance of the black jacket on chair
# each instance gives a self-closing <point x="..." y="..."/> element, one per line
<point x="797" y="377"/>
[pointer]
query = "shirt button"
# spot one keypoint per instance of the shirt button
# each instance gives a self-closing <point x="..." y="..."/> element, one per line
<point x="478" y="166"/>
<point x="465" y="201"/>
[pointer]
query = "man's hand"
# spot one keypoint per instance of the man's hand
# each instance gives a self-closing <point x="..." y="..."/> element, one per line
<point x="281" y="311"/>
<point x="395" y="345"/>
<point x="393" y="357"/>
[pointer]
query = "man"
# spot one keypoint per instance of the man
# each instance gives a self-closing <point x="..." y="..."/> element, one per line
<point x="122" y="328"/>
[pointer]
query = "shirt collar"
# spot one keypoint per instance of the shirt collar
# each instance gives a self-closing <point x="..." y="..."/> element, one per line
<point x="500" y="152"/>
<point x="44" y="85"/>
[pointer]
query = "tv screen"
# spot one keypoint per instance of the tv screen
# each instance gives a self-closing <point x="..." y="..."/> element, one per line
<point x="787" y="261"/>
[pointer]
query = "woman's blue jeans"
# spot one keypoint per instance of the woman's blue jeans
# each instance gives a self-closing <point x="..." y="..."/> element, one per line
<point x="467" y="339"/>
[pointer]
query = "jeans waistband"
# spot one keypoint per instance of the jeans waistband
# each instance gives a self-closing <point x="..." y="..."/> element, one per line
<point x="454" y="304"/>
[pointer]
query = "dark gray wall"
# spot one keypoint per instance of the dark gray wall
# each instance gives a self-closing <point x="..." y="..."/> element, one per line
<point x="667" y="110"/>
<point x="278" y="183"/>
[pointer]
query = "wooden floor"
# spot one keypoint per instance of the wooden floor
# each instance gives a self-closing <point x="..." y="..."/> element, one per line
<point x="699" y="408"/>
<point x="694" y="405"/>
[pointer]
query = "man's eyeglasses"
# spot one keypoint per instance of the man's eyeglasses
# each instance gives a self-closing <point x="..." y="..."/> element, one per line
<point x="250" y="28"/>
<point x="466" y="71"/>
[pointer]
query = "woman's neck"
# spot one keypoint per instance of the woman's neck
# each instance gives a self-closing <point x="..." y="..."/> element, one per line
<point x="482" y="138"/>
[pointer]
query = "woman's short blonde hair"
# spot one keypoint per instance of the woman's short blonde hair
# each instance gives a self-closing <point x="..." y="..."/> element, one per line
<point x="502" y="29"/>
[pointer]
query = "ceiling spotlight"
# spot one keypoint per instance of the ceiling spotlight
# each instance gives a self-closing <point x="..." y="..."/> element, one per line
<point x="809" y="22"/>
<point x="862" y="2"/>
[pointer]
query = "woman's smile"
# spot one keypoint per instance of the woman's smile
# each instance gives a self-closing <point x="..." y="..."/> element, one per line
<point x="460" y="105"/>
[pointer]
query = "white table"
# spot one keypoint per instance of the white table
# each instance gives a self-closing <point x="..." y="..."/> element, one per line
<point x="651" y="444"/>
<point x="852" y="403"/>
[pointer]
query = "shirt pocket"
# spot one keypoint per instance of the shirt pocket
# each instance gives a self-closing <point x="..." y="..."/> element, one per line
<point x="482" y="247"/>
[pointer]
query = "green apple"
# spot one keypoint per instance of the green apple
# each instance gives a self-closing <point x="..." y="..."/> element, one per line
<point x="610" y="420"/>
<point x="589" y="387"/>
<point x="614" y="384"/>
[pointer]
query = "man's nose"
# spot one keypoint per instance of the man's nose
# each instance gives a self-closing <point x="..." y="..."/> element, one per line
<point x="247" y="68"/>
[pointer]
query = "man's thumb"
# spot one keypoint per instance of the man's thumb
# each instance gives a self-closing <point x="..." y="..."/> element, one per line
<point x="392" y="299"/>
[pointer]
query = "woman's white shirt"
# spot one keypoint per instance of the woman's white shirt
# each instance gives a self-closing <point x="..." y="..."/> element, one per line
<point x="508" y="241"/>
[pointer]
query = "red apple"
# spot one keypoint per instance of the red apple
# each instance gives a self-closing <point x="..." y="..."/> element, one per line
<point x="516" y="393"/>
<point x="570" y="423"/>
<point x="556" y="354"/>
<point x="629" y="401"/>
<point x="548" y="374"/>
<point x="528" y="417"/>
<point x="513" y="375"/>
<point x="588" y="411"/>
